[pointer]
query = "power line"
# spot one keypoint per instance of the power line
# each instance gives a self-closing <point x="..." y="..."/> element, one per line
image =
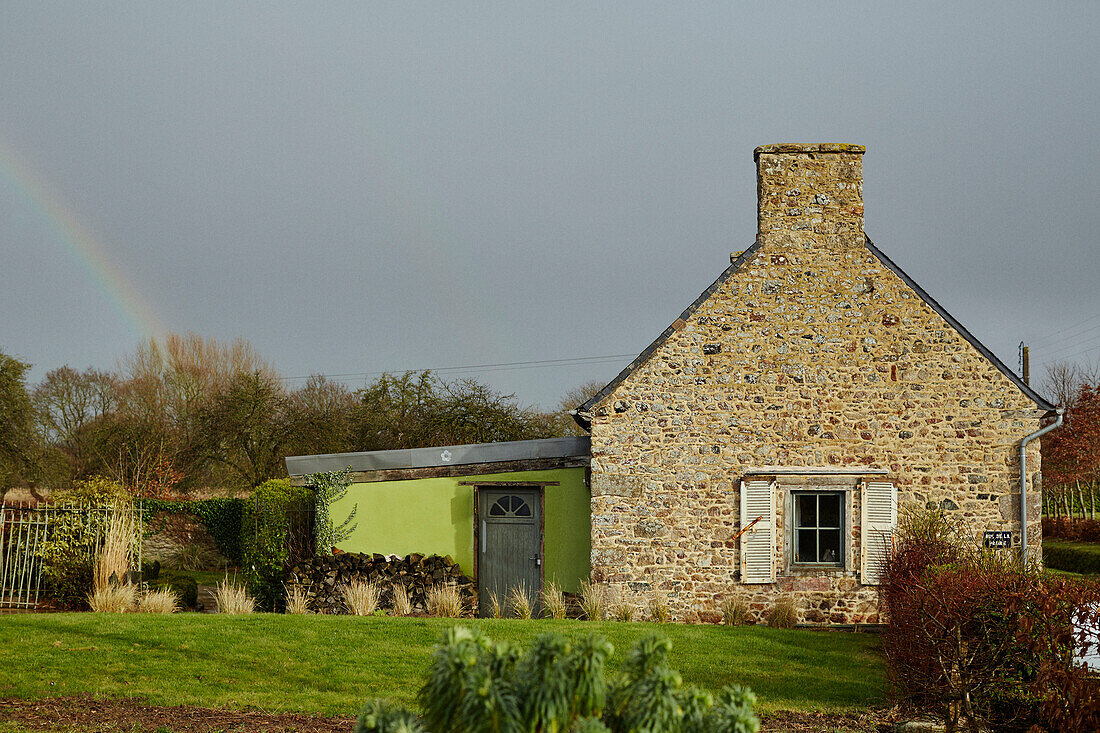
<point x="1071" y="356"/>
<point x="1069" y="347"/>
<point x="1077" y="334"/>
<point x="1048" y="336"/>
<point x="499" y="366"/>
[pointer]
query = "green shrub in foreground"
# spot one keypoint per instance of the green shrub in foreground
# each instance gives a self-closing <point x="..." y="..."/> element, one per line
<point x="477" y="685"/>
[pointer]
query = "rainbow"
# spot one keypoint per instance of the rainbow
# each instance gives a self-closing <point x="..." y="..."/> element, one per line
<point x="82" y="245"/>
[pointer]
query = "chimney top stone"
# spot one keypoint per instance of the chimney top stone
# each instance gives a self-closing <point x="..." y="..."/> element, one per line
<point x="810" y="196"/>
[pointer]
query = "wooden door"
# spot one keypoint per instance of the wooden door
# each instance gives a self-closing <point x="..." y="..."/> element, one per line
<point x="509" y="543"/>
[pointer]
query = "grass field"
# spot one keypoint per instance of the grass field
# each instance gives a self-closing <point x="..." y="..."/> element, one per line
<point x="330" y="664"/>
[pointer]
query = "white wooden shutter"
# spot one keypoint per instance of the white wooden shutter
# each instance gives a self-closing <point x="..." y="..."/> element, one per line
<point x="880" y="518"/>
<point x="758" y="544"/>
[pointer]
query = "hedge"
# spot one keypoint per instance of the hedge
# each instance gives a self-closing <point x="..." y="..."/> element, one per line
<point x="1075" y="557"/>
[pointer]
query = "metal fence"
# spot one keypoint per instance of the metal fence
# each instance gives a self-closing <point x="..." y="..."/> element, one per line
<point x="284" y="525"/>
<point x="28" y="533"/>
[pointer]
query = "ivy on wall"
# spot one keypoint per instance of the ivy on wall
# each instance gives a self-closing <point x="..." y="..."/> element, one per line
<point x="221" y="517"/>
<point x="272" y="519"/>
<point x="328" y="488"/>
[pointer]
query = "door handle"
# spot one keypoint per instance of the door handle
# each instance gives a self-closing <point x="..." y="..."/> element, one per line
<point x="538" y="560"/>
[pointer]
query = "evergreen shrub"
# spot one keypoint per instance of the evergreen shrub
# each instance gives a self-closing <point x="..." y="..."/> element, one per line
<point x="1074" y="557"/>
<point x="476" y="684"/>
<point x="75" y="529"/>
<point x="266" y="534"/>
<point x="183" y="585"/>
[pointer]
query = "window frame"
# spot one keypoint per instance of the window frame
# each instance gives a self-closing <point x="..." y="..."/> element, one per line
<point x="842" y="527"/>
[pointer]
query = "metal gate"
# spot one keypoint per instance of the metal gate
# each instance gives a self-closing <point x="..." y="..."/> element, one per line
<point x="22" y="534"/>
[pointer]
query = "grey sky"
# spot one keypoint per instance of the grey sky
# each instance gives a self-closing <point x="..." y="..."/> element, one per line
<point x="382" y="186"/>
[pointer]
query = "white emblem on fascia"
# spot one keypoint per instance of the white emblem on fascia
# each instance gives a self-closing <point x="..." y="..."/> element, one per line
<point x="445" y="455"/>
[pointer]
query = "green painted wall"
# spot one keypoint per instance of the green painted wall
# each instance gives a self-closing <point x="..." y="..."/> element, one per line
<point x="436" y="516"/>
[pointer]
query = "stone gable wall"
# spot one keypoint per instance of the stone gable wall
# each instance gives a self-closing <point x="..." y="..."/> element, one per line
<point x="816" y="354"/>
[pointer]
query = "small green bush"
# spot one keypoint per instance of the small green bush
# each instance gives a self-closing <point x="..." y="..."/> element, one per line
<point x="182" y="584"/>
<point x="476" y="684"/>
<point x="73" y="536"/>
<point x="1075" y="557"/>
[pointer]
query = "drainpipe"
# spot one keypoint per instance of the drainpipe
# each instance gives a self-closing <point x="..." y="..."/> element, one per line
<point x="1023" y="478"/>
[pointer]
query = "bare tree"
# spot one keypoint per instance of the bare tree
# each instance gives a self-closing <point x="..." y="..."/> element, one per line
<point x="562" y="418"/>
<point x="67" y="405"/>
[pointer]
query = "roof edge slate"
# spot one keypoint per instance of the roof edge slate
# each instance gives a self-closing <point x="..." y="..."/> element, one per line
<point x="954" y="323"/>
<point x="648" y="351"/>
<point x="1034" y="396"/>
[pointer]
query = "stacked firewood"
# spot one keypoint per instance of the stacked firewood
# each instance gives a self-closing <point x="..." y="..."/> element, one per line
<point x="323" y="578"/>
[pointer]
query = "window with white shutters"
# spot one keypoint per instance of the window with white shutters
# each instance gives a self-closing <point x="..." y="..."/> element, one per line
<point x="880" y="518"/>
<point x="758" y="541"/>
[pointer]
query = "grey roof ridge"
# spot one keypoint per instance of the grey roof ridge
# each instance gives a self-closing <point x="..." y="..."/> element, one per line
<point x="735" y="265"/>
<point x="443" y="455"/>
<point x="954" y="323"/>
<point x="584" y="422"/>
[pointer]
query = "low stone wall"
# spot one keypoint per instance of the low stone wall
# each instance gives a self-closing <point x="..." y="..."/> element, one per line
<point x="323" y="578"/>
<point x="172" y="534"/>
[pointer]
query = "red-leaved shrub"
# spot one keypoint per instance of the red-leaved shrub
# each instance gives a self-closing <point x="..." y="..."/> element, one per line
<point x="1068" y="528"/>
<point x="979" y="638"/>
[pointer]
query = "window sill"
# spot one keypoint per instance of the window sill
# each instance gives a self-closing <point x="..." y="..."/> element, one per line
<point x="810" y="568"/>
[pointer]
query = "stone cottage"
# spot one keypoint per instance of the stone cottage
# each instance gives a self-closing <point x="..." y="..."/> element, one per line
<point x="764" y="442"/>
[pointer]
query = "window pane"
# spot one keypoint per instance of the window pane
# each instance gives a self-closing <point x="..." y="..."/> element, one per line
<point x="807" y="546"/>
<point x="806" y="510"/>
<point x="829" y="545"/>
<point x="523" y="510"/>
<point x="497" y="509"/>
<point x="829" y="510"/>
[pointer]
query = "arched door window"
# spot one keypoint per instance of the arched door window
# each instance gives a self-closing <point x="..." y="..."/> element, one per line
<point x="510" y="506"/>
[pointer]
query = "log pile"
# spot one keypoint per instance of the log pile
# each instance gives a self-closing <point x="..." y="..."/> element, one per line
<point x="323" y="578"/>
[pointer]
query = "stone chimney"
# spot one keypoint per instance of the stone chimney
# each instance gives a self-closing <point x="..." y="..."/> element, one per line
<point x="810" y="196"/>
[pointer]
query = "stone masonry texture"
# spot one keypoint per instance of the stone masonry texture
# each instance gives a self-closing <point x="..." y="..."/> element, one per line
<point x="813" y="353"/>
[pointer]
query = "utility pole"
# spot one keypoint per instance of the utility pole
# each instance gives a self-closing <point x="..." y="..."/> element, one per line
<point x="1026" y="355"/>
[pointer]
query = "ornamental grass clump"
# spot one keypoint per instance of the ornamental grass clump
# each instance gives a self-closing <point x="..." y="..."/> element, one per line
<point x="593" y="601"/>
<point x="558" y="684"/>
<point x="553" y="601"/>
<point x="233" y="599"/>
<point x="194" y="556"/>
<point x="783" y="614"/>
<point x="163" y="600"/>
<point x="296" y="601"/>
<point x="496" y="608"/>
<point x="362" y="598"/>
<point x="445" y="601"/>
<point x="519" y="601"/>
<point x="734" y="611"/>
<point x="619" y="606"/>
<point x="402" y="604"/>
<point x="658" y="608"/>
<point x="112" y="562"/>
<point x="111" y="590"/>
<point x="113" y="599"/>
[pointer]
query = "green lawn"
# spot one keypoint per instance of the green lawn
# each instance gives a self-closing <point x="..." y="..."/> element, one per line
<point x="331" y="664"/>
